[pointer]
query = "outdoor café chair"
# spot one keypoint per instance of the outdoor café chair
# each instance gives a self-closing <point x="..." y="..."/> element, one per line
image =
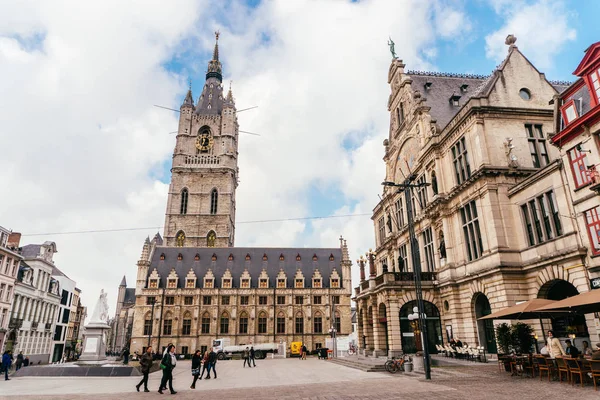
<point x="545" y="365"/>
<point x="562" y="369"/>
<point x="575" y="369"/>
<point x="595" y="370"/>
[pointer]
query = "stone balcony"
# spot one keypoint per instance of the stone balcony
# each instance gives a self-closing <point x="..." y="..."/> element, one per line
<point x="395" y="279"/>
<point x="15" y="323"/>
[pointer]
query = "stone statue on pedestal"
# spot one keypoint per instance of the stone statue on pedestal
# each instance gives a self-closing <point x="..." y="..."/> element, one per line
<point x="94" y="347"/>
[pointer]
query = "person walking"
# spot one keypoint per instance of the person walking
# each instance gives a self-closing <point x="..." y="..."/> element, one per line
<point x="196" y="364"/>
<point x="304" y="350"/>
<point x="6" y="363"/>
<point x="246" y="357"/>
<point x="252" y="355"/>
<point x="212" y="361"/>
<point x="19" y="361"/>
<point x="168" y="364"/>
<point x="205" y="365"/>
<point x="126" y="356"/>
<point x="146" y="365"/>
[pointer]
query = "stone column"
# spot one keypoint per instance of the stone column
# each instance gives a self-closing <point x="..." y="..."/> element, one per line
<point x="378" y="333"/>
<point x="361" y="263"/>
<point x="393" y="325"/>
<point x="368" y="327"/>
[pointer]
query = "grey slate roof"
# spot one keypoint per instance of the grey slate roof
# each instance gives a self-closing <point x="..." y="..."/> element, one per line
<point x="31" y="250"/>
<point x="123" y="281"/>
<point x="442" y="88"/>
<point x="129" y="296"/>
<point x="239" y="263"/>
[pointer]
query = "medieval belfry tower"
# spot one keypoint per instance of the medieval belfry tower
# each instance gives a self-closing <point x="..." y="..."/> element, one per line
<point x="201" y="203"/>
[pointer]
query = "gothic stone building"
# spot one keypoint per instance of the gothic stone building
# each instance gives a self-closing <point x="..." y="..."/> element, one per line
<point x="201" y="286"/>
<point x="493" y="228"/>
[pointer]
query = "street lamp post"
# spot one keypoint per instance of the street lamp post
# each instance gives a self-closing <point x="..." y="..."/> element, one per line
<point x="406" y="188"/>
<point x="151" y="322"/>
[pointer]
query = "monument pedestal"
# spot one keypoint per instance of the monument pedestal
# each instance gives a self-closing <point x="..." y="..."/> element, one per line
<point x="94" y="347"/>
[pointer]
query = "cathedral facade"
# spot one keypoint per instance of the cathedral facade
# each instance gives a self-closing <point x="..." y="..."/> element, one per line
<point x="194" y="286"/>
<point x="495" y="223"/>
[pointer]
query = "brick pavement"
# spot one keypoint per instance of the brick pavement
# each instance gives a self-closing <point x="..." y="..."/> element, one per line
<point x="476" y="381"/>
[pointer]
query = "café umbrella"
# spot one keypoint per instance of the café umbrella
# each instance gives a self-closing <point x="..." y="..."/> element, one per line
<point x="584" y="303"/>
<point x="526" y="310"/>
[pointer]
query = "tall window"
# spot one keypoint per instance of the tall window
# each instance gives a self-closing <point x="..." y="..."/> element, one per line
<point x="422" y="192"/>
<point x="299" y="323"/>
<point x="262" y="323"/>
<point x="214" y="199"/>
<point x="400" y="114"/>
<point x="595" y="79"/>
<point x="244" y="300"/>
<point x="400" y="213"/>
<point x="186" y="328"/>
<point x="280" y="323"/>
<point x="243" y="323"/>
<point x="280" y="299"/>
<point x="299" y="300"/>
<point x="403" y="259"/>
<point x="472" y="234"/>
<point x="579" y="167"/>
<point x="537" y="145"/>
<point x="428" y="247"/>
<point x="262" y="300"/>
<point x="184" y="202"/>
<point x="592" y="222"/>
<point x="317" y="300"/>
<point x="211" y="238"/>
<point x="225" y="300"/>
<point x="337" y="323"/>
<point x="205" y="323"/>
<point x="167" y="325"/>
<point x="569" y="112"/>
<point x="148" y="325"/>
<point x="206" y="300"/>
<point x="542" y="221"/>
<point x="225" y="323"/>
<point x="318" y="323"/>
<point x="462" y="169"/>
<point x="381" y="224"/>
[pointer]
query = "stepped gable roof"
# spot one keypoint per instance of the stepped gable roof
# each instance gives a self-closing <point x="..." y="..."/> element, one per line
<point x="437" y="88"/>
<point x="129" y="298"/>
<point x="239" y="263"/>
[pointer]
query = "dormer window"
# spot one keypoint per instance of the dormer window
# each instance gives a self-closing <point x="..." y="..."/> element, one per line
<point x="315" y="258"/>
<point x="595" y="79"/>
<point x="172" y="283"/>
<point x="281" y="283"/>
<point x="281" y="257"/>
<point x="317" y="283"/>
<point x="153" y="283"/>
<point x="298" y="258"/>
<point x="428" y="85"/>
<point x="245" y="283"/>
<point x="455" y="100"/>
<point x="208" y="283"/>
<point x="463" y="87"/>
<point x="197" y="257"/>
<point x="227" y="283"/>
<point x="190" y="283"/>
<point x="264" y="283"/>
<point x="230" y="258"/>
<point x="569" y="112"/>
<point x="247" y="257"/>
<point x="335" y="283"/>
<point x="162" y="256"/>
<point x="265" y="258"/>
<point x="299" y="283"/>
<point x="331" y="257"/>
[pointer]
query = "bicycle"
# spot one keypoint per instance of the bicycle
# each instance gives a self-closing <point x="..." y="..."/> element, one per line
<point x="396" y="364"/>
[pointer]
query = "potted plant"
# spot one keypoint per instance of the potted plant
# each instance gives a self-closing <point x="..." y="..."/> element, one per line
<point x="504" y="339"/>
<point x="523" y="338"/>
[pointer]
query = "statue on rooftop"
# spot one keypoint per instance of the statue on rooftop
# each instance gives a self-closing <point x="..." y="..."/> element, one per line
<point x="392" y="48"/>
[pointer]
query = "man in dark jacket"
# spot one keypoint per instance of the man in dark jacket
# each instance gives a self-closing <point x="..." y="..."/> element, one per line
<point x="252" y="355"/>
<point x="19" y="361"/>
<point x="571" y="350"/>
<point x="212" y="363"/>
<point x="126" y="356"/>
<point x="145" y="364"/>
<point x="6" y="363"/>
<point x="246" y="356"/>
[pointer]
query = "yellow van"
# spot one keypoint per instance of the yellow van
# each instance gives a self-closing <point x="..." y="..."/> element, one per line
<point x="296" y="349"/>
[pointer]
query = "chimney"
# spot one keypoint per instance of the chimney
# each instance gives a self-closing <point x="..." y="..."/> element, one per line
<point x="13" y="240"/>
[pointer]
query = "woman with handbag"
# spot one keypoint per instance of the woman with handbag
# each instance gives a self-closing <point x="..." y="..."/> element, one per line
<point x="167" y="365"/>
<point x="196" y="359"/>
<point x="205" y="365"/>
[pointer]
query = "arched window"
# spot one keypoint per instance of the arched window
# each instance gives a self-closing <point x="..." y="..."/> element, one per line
<point x="243" y="323"/>
<point x="214" y="199"/>
<point x="184" y="202"/>
<point x="224" y="323"/>
<point x="262" y="322"/>
<point x="211" y="238"/>
<point x="148" y="324"/>
<point x="168" y="324"/>
<point x="318" y="323"/>
<point x="180" y="239"/>
<point x="281" y="322"/>
<point x="186" y="328"/>
<point x="206" y="323"/>
<point x="299" y="323"/>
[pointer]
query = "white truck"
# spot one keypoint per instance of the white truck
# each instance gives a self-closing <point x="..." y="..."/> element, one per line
<point x="225" y="349"/>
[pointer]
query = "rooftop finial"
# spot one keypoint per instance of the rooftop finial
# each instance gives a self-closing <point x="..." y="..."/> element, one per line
<point x="216" y="51"/>
<point x="510" y="40"/>
<point x="214" y="66"/>
<point x="217" y="33"/>
<point x="190" y="83"/>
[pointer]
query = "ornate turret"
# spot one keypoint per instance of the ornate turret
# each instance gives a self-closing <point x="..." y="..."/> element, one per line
<point x="210" y="101"/>
<point x="189" y="99"/>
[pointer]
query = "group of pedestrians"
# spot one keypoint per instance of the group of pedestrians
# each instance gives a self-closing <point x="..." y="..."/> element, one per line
<point x="200" y="365"/>
<point x="249" y="355"/>
<point x="7" y="362"/>
<point x="203" y="363"/>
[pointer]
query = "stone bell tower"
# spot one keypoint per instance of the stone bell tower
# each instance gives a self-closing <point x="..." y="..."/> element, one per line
<point x="204" y="175"/>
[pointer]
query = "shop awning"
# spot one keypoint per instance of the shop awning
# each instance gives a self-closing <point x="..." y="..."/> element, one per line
<point x="584" y="303"/>
<point x="526" y="310"/>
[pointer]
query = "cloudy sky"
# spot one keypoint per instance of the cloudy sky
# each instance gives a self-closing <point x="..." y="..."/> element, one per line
<point x="83" y="148"/>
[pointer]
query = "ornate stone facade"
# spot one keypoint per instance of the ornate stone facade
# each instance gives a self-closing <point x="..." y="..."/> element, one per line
<point x="195" y="286"/>
<point x="494" y="227"/>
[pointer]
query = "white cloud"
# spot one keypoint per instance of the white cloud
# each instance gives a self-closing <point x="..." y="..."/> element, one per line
<point x="542" y="29"/>
<point x="82" y="142"/>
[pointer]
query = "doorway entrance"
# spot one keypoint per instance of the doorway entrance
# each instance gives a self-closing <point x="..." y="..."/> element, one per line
<point x="485" y="328"/>
<point x="434" y="327"/>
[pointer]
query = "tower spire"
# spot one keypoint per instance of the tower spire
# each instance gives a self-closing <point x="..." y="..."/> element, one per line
<point x="189" y="99"/>
<point x="214" y="65"/>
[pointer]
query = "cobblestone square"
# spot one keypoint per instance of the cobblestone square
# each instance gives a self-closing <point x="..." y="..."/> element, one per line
<point x="310" y="379"/>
